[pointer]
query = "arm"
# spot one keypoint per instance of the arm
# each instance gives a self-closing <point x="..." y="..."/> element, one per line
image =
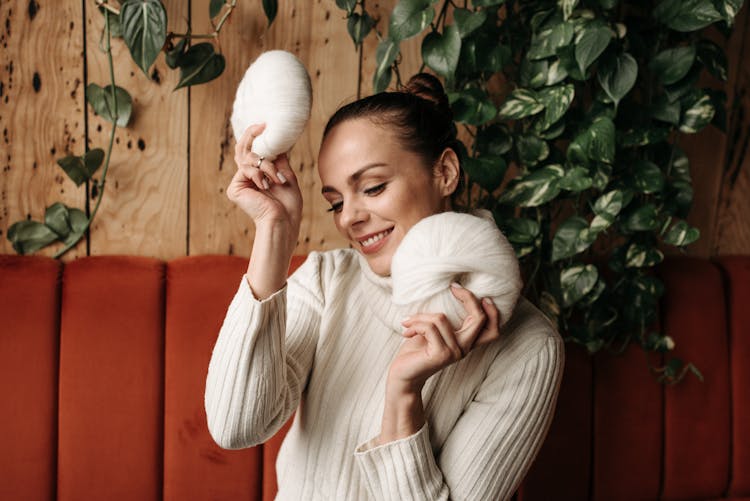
<point x="262" y="358"/>
<point x="492" y="445"/>
<point x="260" y="361"/>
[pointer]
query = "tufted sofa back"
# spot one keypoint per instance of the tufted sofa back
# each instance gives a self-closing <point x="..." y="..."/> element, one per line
<point x="104" y="360"/>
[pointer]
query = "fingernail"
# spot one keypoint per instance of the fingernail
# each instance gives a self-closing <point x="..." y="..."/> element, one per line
<point x="265" y="183"/>
<point x="281" y="177"/>
<point x="487" y="301"/>
<point x="456" y="285"/>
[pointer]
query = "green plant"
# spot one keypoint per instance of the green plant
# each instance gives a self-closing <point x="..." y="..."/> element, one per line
<point x="142" y="25"/>
<point x="574" y="111"/>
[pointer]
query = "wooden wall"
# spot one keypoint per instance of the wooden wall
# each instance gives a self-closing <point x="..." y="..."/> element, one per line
<point x="165" y="188"/>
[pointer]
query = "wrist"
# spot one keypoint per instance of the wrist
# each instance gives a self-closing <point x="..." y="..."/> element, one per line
<point x="403" y="414"/>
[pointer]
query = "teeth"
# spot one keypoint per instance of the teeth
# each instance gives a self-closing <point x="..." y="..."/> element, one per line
<point x="372" y="240"/>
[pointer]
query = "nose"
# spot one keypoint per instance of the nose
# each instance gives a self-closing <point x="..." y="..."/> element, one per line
<point x="352" y="214"/>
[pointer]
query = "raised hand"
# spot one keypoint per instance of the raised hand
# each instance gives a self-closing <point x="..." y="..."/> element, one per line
<point x="266" y="191"/>
<point x="432" y="343"/>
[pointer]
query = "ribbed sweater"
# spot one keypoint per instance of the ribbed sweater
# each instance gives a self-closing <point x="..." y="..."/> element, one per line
<point x="322" y="346"/>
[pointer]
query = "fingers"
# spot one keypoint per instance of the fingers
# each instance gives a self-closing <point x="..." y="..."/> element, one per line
<point x="491" y="330"/>
<point x="246" y="140"/>
<point x="439" y="332"/>
<point x="475" y="319"/>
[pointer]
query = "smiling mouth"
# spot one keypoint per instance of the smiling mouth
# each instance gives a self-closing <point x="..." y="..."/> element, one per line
<point x="372" y="241"/>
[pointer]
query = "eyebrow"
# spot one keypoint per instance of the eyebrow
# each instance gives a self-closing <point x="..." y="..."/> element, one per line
<point x="354" y="177"/>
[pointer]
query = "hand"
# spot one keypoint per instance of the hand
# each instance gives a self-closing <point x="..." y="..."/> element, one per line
<point x="432" y="344"/>
<point x="266" y="191"/>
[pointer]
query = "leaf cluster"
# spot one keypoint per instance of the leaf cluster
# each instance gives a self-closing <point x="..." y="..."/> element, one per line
<point x="142" y="25"/>
<point x="575" y="109"/>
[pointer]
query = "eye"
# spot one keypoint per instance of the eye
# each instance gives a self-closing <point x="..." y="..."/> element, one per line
<point x="336" y="207"/>
<point x="376" y="190"/>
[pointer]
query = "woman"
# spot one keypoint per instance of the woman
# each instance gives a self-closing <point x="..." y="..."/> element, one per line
<point x="371" y="421"/>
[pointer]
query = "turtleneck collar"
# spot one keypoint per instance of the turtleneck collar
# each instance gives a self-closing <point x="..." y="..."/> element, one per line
<point x="377" y="294"/>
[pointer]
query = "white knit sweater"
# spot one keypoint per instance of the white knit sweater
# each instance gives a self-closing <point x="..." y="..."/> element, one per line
<point x="322" y="346"/>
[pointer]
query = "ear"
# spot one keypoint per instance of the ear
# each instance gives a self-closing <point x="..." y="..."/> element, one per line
<point x="447" y="171"/>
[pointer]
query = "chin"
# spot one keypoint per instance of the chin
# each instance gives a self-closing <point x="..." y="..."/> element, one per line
<point x="379" y="267"/>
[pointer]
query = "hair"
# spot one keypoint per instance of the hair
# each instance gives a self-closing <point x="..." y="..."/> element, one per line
<point x="420" y="115"/>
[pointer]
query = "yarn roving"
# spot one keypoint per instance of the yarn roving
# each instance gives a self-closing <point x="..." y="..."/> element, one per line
<point x="276" y="90"/>
<point x="455" y="247"/>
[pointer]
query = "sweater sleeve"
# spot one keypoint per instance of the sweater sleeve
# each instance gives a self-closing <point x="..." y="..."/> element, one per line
<point x="492" y="445"/>
<point x="262" y="358"/>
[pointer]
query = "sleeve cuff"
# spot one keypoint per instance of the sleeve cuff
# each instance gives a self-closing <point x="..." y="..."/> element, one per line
<point x="402" y="469"/>
<point x="247" y="293"/>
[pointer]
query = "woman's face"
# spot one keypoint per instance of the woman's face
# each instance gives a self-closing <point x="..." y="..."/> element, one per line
<point x="377" y="189"/>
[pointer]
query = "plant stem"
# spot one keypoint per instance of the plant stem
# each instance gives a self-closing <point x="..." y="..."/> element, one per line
<point x="100" y="194"/>
<point x="204" y="36"/>
<point x="104" y="4"/>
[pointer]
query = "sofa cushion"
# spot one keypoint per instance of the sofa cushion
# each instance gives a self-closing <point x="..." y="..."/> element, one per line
<point x="29" y="347"/>
<point x="199" y="290"/>
<point x="737" y="279"/>
<point x="111" y="379"/>
<point x="697" y="417"/>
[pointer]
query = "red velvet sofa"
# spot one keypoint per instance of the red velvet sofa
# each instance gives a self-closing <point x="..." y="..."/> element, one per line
<point x="103" y="363"/>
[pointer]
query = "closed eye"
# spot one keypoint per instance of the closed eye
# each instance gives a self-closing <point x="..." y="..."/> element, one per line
<point x="336" y="207"/>
<point x="376" y="190"/>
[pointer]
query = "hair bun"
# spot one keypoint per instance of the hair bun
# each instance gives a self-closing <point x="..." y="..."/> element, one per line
<point x="429" y="88"/>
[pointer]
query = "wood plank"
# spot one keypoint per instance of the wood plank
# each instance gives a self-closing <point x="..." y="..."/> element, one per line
<point x="707" y="150"/>
<point x="316" y="34"/>
<point x="144" y="210"/>
<point x="41" y="111"/>
<point x="731" y="228"/>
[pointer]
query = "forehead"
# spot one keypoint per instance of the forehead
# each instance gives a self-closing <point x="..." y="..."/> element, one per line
<point x="355" y="143"/>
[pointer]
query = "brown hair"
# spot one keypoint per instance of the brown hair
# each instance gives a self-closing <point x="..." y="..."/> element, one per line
<point x="420" y="115"/>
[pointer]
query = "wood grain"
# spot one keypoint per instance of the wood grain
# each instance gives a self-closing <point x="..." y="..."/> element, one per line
<point x="731" y="224"/>
<point x="317" y="35"/>
<point x="41" y="110"/>
<point x="144" y="210"/>
<point x="165" y="189"/>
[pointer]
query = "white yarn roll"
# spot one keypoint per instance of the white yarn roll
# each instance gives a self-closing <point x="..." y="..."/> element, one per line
<point x="455" y="247"/>
<point x="275" y="90"/>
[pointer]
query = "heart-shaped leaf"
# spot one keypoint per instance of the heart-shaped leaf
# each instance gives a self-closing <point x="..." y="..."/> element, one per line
<point x="144" y="29"/>
<point x="486" y="171"/>
<point x="590" y="45"/>
<point x="385" y="55"/>
<point x="576" y="281"/>
<point x="115" y="110"/>
<point x="672" y="65"/>
<point x="534" y="189"/>
<point x="687" y="15"/>
<point x="28" y="237"/>
<point x="200" y="64"/>
<point x="606" y="208"/>
<point x="359" y="27"/>
<point x="697" y="113"/>
<point x="681" y="234"/>
<point x="642" y="256"/>
<point x="440" y="51"/>
<point x="80" y="169"/>
<point x="520" y="104"/>
<point x="617" y="76"/>
<point x="410" y="17"/>
<point x="472" y="106"/>
<point x="572" y="236"/>
<point x="468" y="21"/>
